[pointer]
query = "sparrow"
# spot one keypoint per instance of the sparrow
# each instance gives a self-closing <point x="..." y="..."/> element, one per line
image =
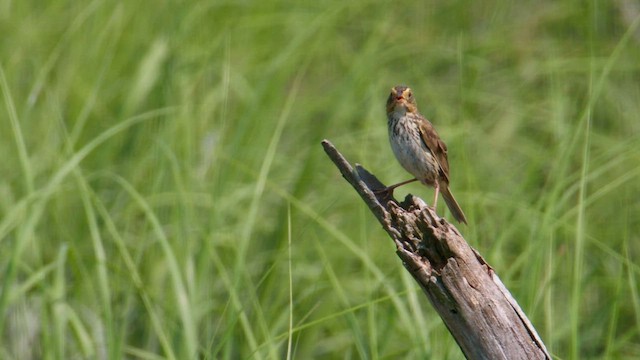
<point x="418" y="148"/>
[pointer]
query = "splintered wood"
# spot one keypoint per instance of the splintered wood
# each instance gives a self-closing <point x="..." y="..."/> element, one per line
<point x="476" y="307"/>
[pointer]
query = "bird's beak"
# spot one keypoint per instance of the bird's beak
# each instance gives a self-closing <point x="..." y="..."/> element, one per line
<point x="397" y="96"/>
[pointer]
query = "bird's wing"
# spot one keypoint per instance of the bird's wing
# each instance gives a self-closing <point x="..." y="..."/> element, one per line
<point x="437" y="147"/>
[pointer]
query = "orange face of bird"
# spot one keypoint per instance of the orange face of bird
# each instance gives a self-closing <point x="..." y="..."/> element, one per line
<point x="401" y="100"/>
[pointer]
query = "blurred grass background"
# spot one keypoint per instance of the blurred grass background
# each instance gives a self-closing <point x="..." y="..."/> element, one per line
<point x="163" y="192"/>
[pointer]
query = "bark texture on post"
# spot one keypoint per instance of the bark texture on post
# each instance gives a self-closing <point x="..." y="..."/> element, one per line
<point x="476" y="307"/>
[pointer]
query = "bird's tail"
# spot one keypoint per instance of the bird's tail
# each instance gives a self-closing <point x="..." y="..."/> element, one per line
<point x="452" y="204"/>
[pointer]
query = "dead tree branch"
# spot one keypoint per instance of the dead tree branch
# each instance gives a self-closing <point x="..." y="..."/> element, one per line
<point x="476" y="307"/>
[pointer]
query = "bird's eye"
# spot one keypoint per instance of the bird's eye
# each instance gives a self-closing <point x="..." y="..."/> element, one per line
<point x="409" y="95"/>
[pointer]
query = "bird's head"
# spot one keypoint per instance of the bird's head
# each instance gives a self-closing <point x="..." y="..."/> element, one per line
<point x="401" y="101"/>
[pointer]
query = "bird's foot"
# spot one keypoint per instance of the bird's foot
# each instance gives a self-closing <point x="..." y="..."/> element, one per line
<point x="388" y="191"/>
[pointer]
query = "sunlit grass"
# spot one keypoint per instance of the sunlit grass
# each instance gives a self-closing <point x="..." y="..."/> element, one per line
<point x="164" y="194"/>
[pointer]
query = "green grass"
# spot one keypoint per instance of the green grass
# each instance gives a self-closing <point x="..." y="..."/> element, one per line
<point x="164" y="194"/>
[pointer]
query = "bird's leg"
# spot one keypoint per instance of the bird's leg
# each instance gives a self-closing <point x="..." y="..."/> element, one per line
<point x="389" y="189"/>
<point x="435" y="197"/>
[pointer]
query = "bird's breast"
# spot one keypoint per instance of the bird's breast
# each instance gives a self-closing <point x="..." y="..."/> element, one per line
<point x="410" y="150"/>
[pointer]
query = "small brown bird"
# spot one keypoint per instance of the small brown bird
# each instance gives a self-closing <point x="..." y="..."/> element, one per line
<point x="418" y="148"/>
